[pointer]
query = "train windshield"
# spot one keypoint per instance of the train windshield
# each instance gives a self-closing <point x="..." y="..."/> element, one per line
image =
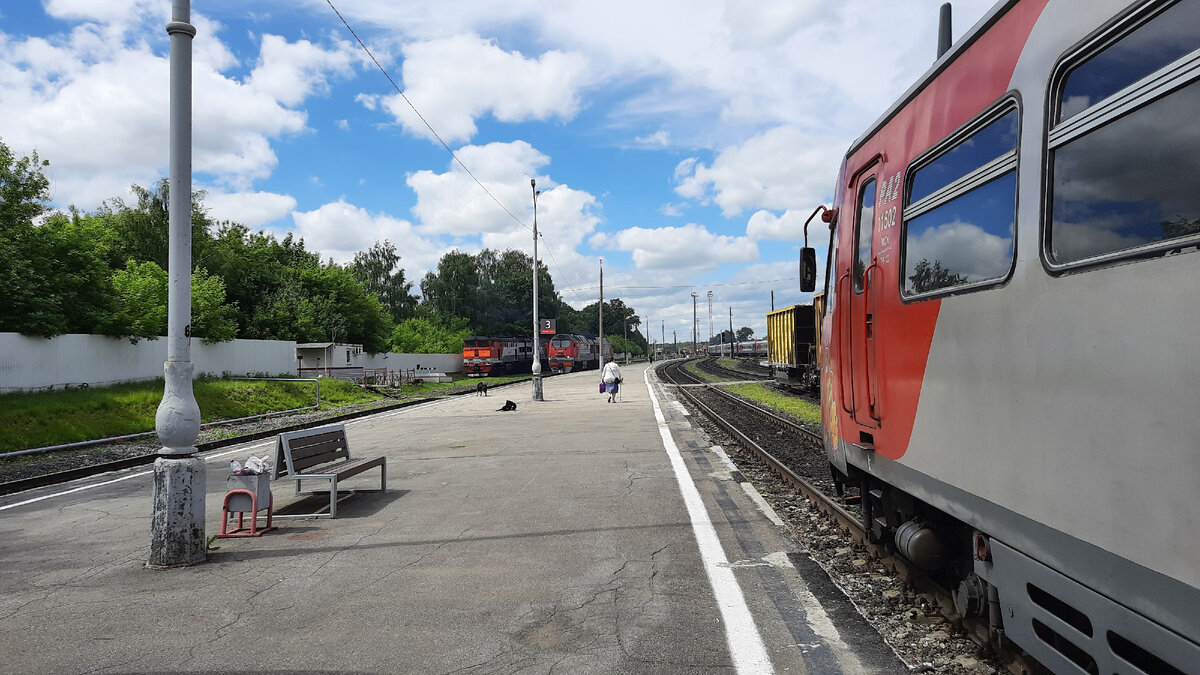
<point x="561" y="341"/>
<point x="476" y="342"/>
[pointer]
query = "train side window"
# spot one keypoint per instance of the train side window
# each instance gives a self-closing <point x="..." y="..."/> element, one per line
<point x="1124" y="153"/>
<point x="865" y="228"/>
<point x="960" y="221"/>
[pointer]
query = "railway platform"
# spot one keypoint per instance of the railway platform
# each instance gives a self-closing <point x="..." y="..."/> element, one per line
<point x="567" y="536"/>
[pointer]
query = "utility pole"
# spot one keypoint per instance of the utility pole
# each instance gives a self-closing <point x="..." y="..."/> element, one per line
<point x="710" y="323"/>
<point x="537" y="336"/>
<point x="694" y="323"/>
<point x="177" y="523"/>
<point x="601" y="340"/>
<point x="732" y="336"/>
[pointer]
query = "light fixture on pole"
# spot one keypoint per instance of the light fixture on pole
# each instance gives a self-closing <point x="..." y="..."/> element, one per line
<point x="537" y="338"/>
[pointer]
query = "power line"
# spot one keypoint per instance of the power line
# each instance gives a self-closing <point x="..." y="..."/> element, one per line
<point x="438" y="137"/>
<point x="715" y="284"/>
<point x="426" y="122"/>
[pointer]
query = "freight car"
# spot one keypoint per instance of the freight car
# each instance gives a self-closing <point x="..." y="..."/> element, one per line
<point x="1003" y="432"/>
<point x="793" y="339"/>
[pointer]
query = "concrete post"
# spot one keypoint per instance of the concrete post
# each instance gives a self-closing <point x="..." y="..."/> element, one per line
<point x="537" y="333"/>
<point x="177" y="527"/>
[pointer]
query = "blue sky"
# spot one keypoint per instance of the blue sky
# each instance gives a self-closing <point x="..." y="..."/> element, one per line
<point x="681" y="142"/>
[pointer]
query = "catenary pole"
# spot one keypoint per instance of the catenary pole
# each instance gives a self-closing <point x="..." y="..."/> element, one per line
<point x="537" y="338"/>
<point x="177" y="523"/>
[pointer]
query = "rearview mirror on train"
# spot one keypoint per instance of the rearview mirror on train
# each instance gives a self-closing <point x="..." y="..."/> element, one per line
<point x="808" y="269"/>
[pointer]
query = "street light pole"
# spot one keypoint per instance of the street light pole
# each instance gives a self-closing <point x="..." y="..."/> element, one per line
<point x="177" y="522"/>
<point x="537" y="338"/>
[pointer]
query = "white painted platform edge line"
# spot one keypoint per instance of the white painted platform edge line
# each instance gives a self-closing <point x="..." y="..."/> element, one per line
<point x="818" y="619"/>
<point x="745" y="644"/>
<point x="90" y="486"/>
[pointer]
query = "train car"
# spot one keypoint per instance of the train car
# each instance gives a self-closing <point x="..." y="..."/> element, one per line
<point x="569" y="352"/>
<point x="793" y="339"/>
<point x="1005" y="432"/>
<point x="606" y="350"/>
<point x="484" y="356"/>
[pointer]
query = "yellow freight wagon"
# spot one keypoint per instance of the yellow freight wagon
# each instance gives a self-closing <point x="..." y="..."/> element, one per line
<point x="794" y="340"/>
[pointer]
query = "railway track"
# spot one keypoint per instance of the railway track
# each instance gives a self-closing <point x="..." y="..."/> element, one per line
<point x="711" y="367"/>
<point x="795" y="457"/>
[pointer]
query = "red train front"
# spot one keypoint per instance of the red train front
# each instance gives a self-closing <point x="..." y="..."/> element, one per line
<point x="569" y="352"/>
<point x="484" y="356"/>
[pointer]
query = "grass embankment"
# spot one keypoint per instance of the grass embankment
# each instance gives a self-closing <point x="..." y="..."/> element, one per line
<point x="44" y="418"/>
<point x="693" y="367"/>
<point x="39" y="419"/>
<point x="797" y="407"/>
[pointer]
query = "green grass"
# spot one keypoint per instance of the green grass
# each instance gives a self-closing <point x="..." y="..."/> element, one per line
<point x="38" y="419"/>
<point x="799" y="408"/>
<point x="693" y="367"/>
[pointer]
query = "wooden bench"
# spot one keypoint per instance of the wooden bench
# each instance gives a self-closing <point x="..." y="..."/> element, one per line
<point x="321" y="454"/>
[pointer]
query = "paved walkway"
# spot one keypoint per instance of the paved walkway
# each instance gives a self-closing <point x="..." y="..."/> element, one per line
<point x="558" y="538"/>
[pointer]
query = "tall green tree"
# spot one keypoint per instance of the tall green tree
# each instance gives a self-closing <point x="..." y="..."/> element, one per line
<point x="420" y="335"/>
<point x="141" y="231"/>
<point x="53" y="276"/>
<point x="141" y="291"/>
<point x="451" y="289"/>
<point x="378" y="270"/>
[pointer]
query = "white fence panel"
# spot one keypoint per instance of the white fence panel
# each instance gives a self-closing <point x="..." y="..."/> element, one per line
<point x="35" y="363"/>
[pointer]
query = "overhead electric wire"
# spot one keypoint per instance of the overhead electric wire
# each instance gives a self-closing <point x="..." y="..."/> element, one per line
<point x="436" y="135"/>
<point x="418" y="112"/>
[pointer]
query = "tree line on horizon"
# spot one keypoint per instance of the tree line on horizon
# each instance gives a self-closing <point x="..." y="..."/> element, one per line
<point x="105" y="272"/>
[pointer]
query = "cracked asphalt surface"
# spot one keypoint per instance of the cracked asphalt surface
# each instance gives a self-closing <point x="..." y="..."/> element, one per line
<point x="552" y="539"/>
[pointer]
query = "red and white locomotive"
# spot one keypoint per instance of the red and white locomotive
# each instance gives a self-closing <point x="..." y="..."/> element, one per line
<point x="569" y="352"/>
<point x="484" y="356"/>
<point x="1007" y="428"/>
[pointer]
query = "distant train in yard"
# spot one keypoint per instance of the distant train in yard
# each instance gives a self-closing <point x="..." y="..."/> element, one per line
<point x="563" y="353"/>
<point x="743" y="349"/>
<point x="569" y="352"/>
<point x="484" y="356"/>
<point x="1004" y="431"/>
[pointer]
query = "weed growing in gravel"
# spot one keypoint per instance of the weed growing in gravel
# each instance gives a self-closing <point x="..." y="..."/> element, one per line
<point x="805" y="411"/>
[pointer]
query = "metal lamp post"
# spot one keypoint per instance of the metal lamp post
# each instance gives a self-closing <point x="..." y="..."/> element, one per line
<point x="537" y="338"/>
<point x="177" y="526"/>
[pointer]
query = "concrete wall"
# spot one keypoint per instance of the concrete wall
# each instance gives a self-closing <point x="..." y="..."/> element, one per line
<point x="35" y="363"/>
<point x="426" y="363"/>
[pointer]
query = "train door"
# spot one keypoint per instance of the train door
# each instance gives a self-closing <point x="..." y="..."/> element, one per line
<point x="858" y="324"/>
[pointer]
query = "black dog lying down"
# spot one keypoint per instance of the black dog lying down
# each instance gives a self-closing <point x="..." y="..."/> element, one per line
<point x="508" y="405"/>
<point x="481" y="389"/>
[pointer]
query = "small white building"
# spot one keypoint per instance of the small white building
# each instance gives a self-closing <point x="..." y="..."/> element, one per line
<point x="330" y="359"/>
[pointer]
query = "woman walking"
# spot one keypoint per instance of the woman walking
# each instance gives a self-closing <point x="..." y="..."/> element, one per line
<point x="612" y="379"/>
